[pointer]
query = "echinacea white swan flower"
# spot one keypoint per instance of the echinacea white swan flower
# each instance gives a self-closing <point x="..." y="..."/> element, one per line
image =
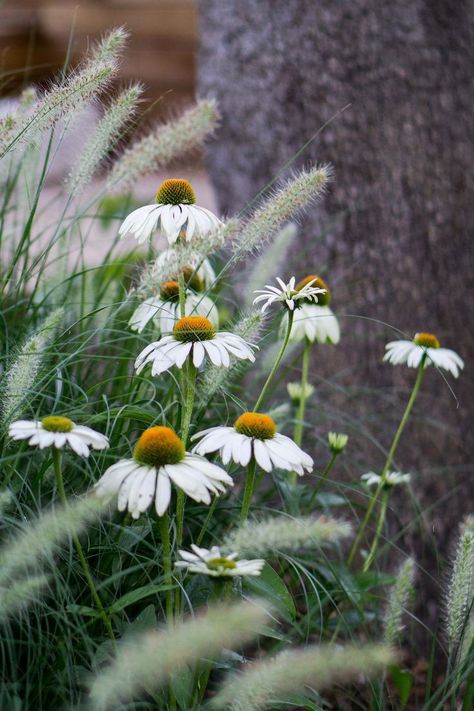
<point x="297" y="391"/>
<point x="424" y="345"/>
<point x="56" y="431"/>
<point x="390" y="479"/>
<point x="159" y="459"/>
<point x="254" y="435"/>
<point x="164" y="309"/>
<point x="175" y="214"/>
<point x="315" y="322"/>
<point x="337" y="442"/>
<point x="288" y="294"/>
<point x="212" y="562"/>
<point x="193" y="337"/>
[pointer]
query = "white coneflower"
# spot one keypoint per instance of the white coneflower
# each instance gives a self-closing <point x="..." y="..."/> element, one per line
<point x="424" y="345"/>
<point x="337" y="442"/>
<point x="254" y="435"/>
<point x="174" y="213"/>
<point x="294" y="197"/>
<point x="296" y="391"/>
<point x="164" y="144"/>
<point x="315" y="321"/>
<point x="288" y="294"/>
<point x="56" y="431"/>
<point x="165" y="311"/>
<point x="193" y="338"/>
<point x="213" y="563"/>
<point x="159" y="459"/>
<point x="269" y="261"/>
<point x="390" y="479"/>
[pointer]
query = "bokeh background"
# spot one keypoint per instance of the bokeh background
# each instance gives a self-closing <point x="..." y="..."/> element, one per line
<point x="380" y="90"/>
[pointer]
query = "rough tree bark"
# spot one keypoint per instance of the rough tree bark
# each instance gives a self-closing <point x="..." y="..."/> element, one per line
<point x="393" y="234"/>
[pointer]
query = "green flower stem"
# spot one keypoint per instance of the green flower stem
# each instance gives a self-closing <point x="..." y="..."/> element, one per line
<point x="165" y="540"/>
<point x="210" y="514"/>
<point x="298" y="431"/>
<point x="378" y="530"/>
<point x="323" y="477"/>
<point x="248" y="491"/>
<point x="182" y="295"/>
<point x="186" y="414"/>
<point x="85" y="567"/>
<point x="277" y="362"/>
<point x="389" y="459"/>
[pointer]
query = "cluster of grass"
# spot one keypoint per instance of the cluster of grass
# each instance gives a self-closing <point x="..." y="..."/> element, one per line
<point x="91" y="614"/>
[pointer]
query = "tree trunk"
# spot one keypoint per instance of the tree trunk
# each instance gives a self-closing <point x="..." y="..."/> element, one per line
<point x="392" y="236"/>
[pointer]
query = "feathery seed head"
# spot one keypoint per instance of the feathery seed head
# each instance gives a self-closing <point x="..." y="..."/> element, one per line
<point x="193" y="328"/>
<point x="254" y="424"/>
<point x="176" y="191"/>
<point x="461" y="586"/>
<point x="159" y="446"/>
<point x="398" y="600"/>
<point x="324" y="298"/>
<point x="427" y="340"/>
<point x="56" y="423"/>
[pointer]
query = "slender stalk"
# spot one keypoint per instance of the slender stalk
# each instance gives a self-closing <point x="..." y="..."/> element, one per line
<point x="248" y="491"/>
<point x="165" y="541"/>
<point x="85" y="566"/>
<point x="182" y="295"/>
<point x="378" y="530"/>
<point x="298" y="431"/>
<point x="389" y="459"/>
<point x="210" y="514"/>
<point x="186" y="414"/>
<point x="323" y="477"/>
<point x="277" y="362"/>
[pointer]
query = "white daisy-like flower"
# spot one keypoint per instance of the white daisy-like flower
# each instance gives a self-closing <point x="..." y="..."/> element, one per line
<point x="315" y="322"/>
<point x="390" y="479"/>
<point x="423" y="345"/>
<point x="337" y="441"/>
<point x="212" y="562"/>
<point x="193" y="337"/>
<point x="296" y="391"/>
<point x="175" y="214"/>
<point x="159" y="459"/>
<point x="287" y="294"/>
<point x="56" y="431"/>
<point x="165" y="310"/>
<point x="254" y="435"/>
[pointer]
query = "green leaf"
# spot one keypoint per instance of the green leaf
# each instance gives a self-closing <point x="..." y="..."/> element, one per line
<point x="134" y="596"/>
<point x="403" y="680"/>
<point x="182" y="684"/>
<point x="271" y="587"/>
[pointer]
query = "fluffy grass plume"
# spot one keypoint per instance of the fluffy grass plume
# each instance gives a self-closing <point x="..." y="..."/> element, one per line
<point x="66" y="97"/>
<point x="286" y="535"/>
<point x="398" y="601"/>
<point x="20" y="378"/>
<point x="164" y="144"/>
<point x="461" y="586"/>
<point x="20" y="594"/>
<point x="117" y="115"/>
<point x="267" y="265"/>
<point x="290" y="200"/>
<point x="215" y="379"/>
<point x="39" y="539"/>
<point x="319" y="667"/>
<point x="150" y="659"/>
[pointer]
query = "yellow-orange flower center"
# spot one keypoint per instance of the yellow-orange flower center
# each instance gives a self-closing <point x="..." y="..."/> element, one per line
<point x="221" y="564"/>
<point x="169" y="290"/>
<point x="193" y="328"/>
<point x="254" y="424"/>
<point x="158" y="446"/>
<point x="192" y="279"/>
<point x="56" y="423"/>
<point x="318" y="283"/>
<point x="427" y="340"/>
<point x="176" y="191"/>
